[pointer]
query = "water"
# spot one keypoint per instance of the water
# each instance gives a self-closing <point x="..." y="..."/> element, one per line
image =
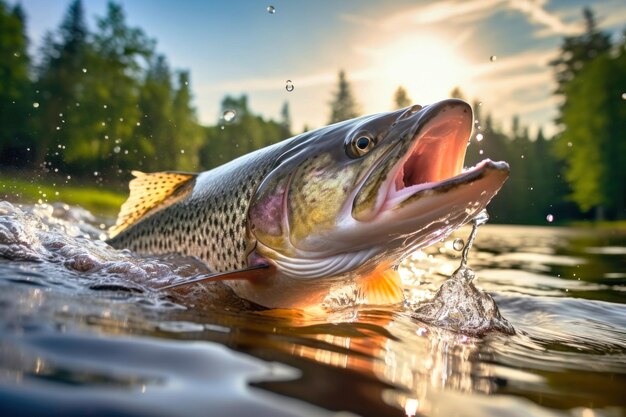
<point x="84" y="331"/>
<point x="229" y="115"/>
<point x="289" y="86"/>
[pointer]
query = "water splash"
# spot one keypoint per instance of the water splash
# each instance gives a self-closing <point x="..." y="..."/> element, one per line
<point x="458" y="305"/>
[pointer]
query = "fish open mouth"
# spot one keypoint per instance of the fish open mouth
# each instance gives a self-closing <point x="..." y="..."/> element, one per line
<point x="435" y="158"/>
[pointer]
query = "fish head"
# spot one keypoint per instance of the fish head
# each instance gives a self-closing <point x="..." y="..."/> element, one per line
<point x="346" y="197"/>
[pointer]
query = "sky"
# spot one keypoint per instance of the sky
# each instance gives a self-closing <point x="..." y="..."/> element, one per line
<point x="429" y="47"/>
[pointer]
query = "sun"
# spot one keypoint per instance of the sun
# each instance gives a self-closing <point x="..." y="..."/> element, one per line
<point x="427" y="66"/>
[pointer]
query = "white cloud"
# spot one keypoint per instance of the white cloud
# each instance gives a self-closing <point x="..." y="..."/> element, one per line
<point x="536" y="12"/>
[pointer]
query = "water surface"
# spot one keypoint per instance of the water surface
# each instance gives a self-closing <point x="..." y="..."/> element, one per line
<point x="83" y="331"/>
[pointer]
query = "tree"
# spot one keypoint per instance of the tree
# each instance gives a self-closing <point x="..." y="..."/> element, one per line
<point x="61" y="84"/>
<point x="15" y="86"/>
<point x="401" y="98"/>
<point x="592" y="144"/>
<point x="457" y="93"/>
<point x="576" y="51"/>
<point x="285" y="120"/>
<point x="591" y="79"/>
<point x="241" y="135"/>
<point x="187" y="133"/>
<point x="155" y="130"/>
<point x="343" y="106"/>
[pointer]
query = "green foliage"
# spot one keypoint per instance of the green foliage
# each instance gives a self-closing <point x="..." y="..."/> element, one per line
<point x="592" y="77"/>
<point x="592" y="144"/>
<point x="534" y="188"/>
<point x="401" y="98"/>
<point x="14" y="86"/>
<point x="239" y="136"/>
<point x="343" y="105"/>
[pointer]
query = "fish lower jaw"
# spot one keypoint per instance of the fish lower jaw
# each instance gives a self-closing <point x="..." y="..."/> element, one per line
<point x="396" y="197"/>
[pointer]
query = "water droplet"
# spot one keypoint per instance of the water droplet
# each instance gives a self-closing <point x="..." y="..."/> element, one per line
<point x="421" y="331"/>
<point x="95" y="173"/>
<point x="289" y="86"/>
<point x="480" y="151"/>
<point x="480" y="103"/>
<point x="522" y="156"/>
<point x="16" y="54"/>
<point x="229" y="115"/>
<point x="35" y="104"/>
<point x="105" y="106"/>
<point x="623" y="96"/>
<point x="271" y="9"/>
<point x="569" y="144"/>
<point x="182" y="151"/>
<point x="117" y="149"/>
<point x="493" y="58"/>
<point x="479" y="137"/>
<point x="550" y="218"/>
<point x="84" y="69"/>
<point x="458" y="244"/>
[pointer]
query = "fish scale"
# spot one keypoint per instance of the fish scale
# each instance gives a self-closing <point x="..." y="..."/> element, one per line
<point x="217" y="206"/>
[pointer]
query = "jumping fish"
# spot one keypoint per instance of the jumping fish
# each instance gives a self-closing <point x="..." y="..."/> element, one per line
<point x="342" y="205"/>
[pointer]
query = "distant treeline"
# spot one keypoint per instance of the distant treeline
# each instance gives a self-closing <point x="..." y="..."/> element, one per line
<point x="104" y="101"/>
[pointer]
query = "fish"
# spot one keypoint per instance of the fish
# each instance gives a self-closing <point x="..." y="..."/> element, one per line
<point x="330" y="211"/>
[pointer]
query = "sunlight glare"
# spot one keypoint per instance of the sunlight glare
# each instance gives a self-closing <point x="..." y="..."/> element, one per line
<point x="428" y="67"/>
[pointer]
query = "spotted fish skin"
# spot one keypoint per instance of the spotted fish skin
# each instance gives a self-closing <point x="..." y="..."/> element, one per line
<point x="211" y="221"/>
<point x="323" y="210"/>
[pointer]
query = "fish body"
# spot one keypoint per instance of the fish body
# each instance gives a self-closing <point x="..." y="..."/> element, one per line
<point x="336" y="207"/>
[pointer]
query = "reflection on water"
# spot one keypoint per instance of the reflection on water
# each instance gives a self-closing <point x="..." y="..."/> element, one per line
<point x="97" y="338"/>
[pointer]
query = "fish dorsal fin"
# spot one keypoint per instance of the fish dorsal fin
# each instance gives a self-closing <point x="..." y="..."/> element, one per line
<point x="150" y="192"/>
<point x="381" y="286"/>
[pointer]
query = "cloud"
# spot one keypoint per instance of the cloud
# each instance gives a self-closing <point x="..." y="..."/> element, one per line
<point x="465" y="11"/>
<point x="536" y="12"/>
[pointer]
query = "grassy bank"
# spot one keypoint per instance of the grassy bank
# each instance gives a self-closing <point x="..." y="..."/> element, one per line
<point x="17" y="187"/>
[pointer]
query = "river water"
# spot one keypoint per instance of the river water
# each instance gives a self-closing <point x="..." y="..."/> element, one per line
<point x="83" y="331"/>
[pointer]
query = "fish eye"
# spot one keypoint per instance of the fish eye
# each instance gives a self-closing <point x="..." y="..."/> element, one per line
<point x="360" y="145"/>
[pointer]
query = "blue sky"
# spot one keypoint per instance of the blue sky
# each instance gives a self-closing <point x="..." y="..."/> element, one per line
<point x="234" y="47"/>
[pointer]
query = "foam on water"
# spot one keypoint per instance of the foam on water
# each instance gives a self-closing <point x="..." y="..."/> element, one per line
<point x="66" y="238"/>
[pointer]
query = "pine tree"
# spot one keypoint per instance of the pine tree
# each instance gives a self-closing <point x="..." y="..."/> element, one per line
<point x="401" y="98"/>
<point x="591" y="78"/>
<point x="285" y="120"/>
<point x="15" y="87"/>
<point x="576" y="51"/>
<point x="61" y="84"/>
<point x="155" y="132"/>
<point x="457" y="93"/>
<point x="187" y="133"/>
<point x="343" y="105"/>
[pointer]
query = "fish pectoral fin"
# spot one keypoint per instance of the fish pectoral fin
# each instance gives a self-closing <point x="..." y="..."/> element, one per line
<point x="151" y="192"/>
<point x="381" y="286"/>
<point x="250" y="273"/>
